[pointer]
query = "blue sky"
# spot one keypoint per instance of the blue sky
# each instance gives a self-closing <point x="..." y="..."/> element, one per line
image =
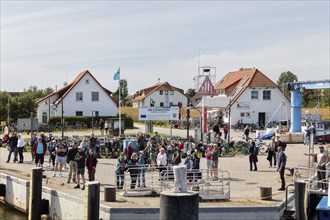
<point x="46" y="43"/>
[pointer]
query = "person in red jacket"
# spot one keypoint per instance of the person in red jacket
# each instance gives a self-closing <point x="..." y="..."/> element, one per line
<point x="225" y="131"/>
<point x="39" y="150"/>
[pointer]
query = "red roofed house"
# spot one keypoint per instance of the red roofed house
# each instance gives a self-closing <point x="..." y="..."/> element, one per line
<point x="159" y="95"/>
<point x="81" y="97"/>
<point x="251" y="96"/>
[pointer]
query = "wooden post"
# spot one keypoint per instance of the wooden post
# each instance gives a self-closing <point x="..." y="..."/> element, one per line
<point x="92" y="201"/>
<point x="35" y="193"/>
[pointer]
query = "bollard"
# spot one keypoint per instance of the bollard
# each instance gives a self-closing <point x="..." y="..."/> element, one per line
<point x="300" y="191"/>
<point x="179" y="204"/>
<point x="110" y="193"/>
<point x="2" y="190"/>
<point x="92" y="201"/>
<point x="35" y="194"/>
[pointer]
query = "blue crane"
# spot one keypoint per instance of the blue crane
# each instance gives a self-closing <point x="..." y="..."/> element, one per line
<point x="296" y="89"/>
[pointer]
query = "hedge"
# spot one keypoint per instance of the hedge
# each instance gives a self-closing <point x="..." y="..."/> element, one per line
<point x="73" y="120"/>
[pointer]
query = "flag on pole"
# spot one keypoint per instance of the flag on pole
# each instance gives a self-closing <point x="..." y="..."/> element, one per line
<point x="117" y="75"/>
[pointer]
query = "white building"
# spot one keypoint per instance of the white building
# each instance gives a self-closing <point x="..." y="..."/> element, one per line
<point x="248" y="96"/>
<point x="159" y="95"/>
<point x="84" y="96"/>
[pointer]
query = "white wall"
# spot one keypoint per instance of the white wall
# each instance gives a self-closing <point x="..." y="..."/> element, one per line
<point x="260" y="105"/>
<point x="175" y="98"/>
<point x="45" y="107"/>
<point x="105" y="106"/>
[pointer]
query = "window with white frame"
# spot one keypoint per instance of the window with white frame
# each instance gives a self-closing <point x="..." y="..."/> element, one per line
<point x="79" y="96"/>
<point x="161" y="104"/>
<point x="171" y="92"/>
<point x="95" y="96"/>
<point x="166" y="92"/>
<point x="245" y="114"/>
<point x="266" y="95"/>
<point x="254" y="94"/>
<point x="44" y="118"/>
<point x="161" y="92"/>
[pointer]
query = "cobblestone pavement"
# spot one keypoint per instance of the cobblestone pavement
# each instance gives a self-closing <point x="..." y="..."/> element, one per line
<point x="244" y="183"/>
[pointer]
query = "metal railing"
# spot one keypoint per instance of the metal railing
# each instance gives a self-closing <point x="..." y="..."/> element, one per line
<point x="317" y="180"/>
<point x="145" y="181"/>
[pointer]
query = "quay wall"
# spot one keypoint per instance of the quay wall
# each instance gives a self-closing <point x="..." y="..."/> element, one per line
<point x="65" y="206"/>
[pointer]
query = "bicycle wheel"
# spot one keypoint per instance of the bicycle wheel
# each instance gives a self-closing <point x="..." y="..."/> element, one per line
<point x="230" y="151"/>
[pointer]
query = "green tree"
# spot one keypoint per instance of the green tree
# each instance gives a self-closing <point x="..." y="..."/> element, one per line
<point x="123" y="92"/>
<point x="4" y="99"/>
<point x="190" y="93"/>
<point x="284" y="78"/>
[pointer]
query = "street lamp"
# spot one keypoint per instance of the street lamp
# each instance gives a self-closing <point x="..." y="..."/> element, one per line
<point x="8" y="111"/>
<point x="48" y="103"/>
<point x="93" y="121"/>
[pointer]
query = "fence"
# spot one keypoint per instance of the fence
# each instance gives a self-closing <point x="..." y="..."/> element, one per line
<point x="317" y="180"/>
<point x="146" y="181"/>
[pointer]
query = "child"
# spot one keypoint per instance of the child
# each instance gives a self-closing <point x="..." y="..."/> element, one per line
<point x="91" y="162"/>
<point x="142" y="165"/>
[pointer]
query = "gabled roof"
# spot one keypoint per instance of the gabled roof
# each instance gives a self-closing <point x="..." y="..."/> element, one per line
<point x="143" y="93"/>
<point x="66" y="89"/>
<point x="235" y="83"/>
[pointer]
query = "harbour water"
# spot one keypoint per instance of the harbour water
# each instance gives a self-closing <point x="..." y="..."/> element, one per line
<point x="8" y="213"/>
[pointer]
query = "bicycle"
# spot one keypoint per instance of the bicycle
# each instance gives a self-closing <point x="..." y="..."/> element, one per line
<point x="241" y="146"/>
<point x="228" y="149"/>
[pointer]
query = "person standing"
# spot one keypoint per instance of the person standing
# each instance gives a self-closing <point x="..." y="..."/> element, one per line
<point x="225" y="131"/>
<point x="208" y="158"/>
<point x="20" y="147"/>
<point x="129" y="150"/>
<point x="33" y="140"/>
<point x="247" y="133"/>
<point x="142" y="166"/>
<point x="152" y="152"/>
<point x="101" y="125"/>
<point x="80" y="159"/>
<point x="161" y="161"/>
<point x="60" y="157"/>
<point x="106" y="128"/>
<point x="122" y="165"/>
<point x="133" y="169"/>
<point x="39" y="150"/>
<point x="322" y="159"/>
<point x="272" y="152"/>
<point x="93" y="144"/>
<point x="72" y="163"/>
<point x="215" y="161"/>
<point x="253" y="157"/>
<point x="91" y="162"/>
<point x="12" y="142"/>
<point x="141" y="141"/>
<point x="281" y="167"/>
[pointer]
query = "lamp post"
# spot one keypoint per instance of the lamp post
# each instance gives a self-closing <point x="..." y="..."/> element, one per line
<point x="92" y="121"/>
<point x="48" y="121"/>
<point x="229" y="122"/>
<point x="8" y="110"/>
<point x="62" y="119"/>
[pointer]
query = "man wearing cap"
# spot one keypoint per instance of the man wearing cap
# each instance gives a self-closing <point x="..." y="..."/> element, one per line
<point x="72" y="163"/>
<point x="322" y="159"/>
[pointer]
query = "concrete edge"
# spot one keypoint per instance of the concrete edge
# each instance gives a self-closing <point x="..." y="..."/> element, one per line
<point x="15" y="179"/>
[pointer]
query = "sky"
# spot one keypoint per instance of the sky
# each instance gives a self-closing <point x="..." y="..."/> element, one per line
<point x="47" y="43"/>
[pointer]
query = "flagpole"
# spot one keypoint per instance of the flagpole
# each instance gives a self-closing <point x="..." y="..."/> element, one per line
<point x="119" y="108"/>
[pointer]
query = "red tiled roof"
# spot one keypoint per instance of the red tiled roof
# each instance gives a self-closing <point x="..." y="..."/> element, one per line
<point x="66" y="89"/>
<point x="143" y="93"/>
<point x="253" y="77"/>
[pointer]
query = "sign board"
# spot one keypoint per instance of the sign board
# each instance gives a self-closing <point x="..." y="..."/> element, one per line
<point x="3" y="123"/>
<point x="24" y="124"/>
<point x="207" y="88"/>
<point x="158" y="113"/>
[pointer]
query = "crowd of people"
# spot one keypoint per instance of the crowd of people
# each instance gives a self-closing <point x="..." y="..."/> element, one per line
<point x="154" y="153"/>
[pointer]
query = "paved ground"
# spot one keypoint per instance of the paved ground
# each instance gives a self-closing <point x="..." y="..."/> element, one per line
<point x="244" y="184"/>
